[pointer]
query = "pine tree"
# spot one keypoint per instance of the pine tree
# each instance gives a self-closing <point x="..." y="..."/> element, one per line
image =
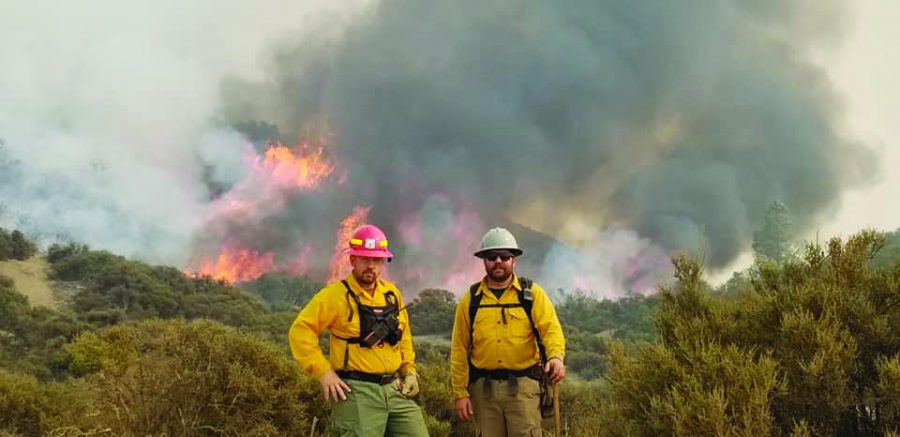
<point x="773" y="242"/>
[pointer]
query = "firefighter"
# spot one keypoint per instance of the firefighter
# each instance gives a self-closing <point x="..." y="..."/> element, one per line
<point x="370" y="372"/>
<point x="506" y="341"/>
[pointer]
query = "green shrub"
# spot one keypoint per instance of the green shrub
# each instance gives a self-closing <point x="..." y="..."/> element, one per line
<point x="194" y="378"/>
<point x="432" y="312"/>
<point x="14" y="245"/>
<point x="32" y="408"/>
<point x="810" y="348"/>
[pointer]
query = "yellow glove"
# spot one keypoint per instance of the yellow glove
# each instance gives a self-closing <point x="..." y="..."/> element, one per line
<point x="409" y="385"/>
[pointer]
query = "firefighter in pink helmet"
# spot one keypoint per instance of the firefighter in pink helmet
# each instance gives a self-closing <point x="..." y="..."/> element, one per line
<point x="370" y="371"/>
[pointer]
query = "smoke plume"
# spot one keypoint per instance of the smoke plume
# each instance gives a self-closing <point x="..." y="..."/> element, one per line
<point x="611" y="132"/>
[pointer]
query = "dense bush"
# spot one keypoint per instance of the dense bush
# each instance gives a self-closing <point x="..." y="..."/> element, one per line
<point x="14" y="245"/>
<point x="436" y="399"/>
<point x="116" y="290"/>
<point x="32" y="339"/>
<point x="811" y="349"/>
<point x="194" y="378"/>
<point x="627" y="319"/>
<point x="57" y="252"/>
<point x="31" y="408"/>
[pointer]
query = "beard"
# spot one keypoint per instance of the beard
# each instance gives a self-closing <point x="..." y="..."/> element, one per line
<point x="365" y="278"/>
<point x="499" y="275"/>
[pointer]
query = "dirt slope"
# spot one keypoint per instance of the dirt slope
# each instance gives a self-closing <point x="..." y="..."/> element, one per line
<point x="31" y="279"/>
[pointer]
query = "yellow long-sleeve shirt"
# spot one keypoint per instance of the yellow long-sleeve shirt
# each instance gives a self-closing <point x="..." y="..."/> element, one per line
<point x="329" y="310"/>
<point x="502" y="342"/>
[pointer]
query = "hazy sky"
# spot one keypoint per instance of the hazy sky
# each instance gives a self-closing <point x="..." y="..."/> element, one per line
<point x="866" y="71"/>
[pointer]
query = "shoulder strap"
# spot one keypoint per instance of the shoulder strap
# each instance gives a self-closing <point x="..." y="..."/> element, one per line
<point x="349" y="341"/>
<point x="390" y="299"/>
<point x="474" y="303"/>
<point x="526" y="298"/>
<point x="350" y="294"/>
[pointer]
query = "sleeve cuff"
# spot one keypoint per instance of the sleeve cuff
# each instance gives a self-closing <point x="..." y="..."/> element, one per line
<point x="560" y="355"/>
<point x="319" y="371"/>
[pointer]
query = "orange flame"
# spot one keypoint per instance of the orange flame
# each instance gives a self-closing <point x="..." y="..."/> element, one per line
<point x="234" y="264"/>
<point x="302" y="166"/>
<point x="340" y="265"/>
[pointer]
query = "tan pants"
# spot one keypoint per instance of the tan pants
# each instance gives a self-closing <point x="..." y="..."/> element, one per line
<point x="507" y="408"/>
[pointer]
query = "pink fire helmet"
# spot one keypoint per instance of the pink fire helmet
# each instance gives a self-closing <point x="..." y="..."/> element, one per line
<point x="370" y="241"/>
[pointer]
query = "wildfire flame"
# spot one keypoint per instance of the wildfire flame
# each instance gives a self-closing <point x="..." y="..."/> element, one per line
<point x="340" y="266"/>
<point x="301" y="166"/>
<point x="234" y="264"/>
<point x="276" y="173"/>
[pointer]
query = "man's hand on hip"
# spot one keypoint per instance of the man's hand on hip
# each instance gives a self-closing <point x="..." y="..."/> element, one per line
<point x="333" y="386"/>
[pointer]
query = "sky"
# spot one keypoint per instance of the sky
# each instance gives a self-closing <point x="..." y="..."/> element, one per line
<point x="865" y="70"/>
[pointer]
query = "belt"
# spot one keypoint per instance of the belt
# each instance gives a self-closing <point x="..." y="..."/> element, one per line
<point x="376" y="378"/>
<point x="533" y="372"/>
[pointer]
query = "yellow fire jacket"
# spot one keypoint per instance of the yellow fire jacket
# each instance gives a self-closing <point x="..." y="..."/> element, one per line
<point x="503" y="338"/>
<point x="329" y="310"/>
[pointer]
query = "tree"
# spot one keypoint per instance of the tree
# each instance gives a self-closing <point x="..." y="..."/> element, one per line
<point x="57" y="252"/>
<point x="14" y="245"/>
<point x="773" y="242"/>
<point x="432" y="312"/>
<point x="890" y="254"/>
<point x="22" y="248"/>
<point x="283" y="292"/>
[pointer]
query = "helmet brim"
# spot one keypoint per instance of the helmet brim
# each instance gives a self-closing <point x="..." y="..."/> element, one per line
<point x="383" y="253"/>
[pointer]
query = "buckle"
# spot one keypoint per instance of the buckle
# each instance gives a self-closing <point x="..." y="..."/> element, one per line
<point x="387" y="379"/>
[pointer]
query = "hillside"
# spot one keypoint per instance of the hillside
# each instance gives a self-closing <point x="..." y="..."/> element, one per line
<point x="31" y="279"/>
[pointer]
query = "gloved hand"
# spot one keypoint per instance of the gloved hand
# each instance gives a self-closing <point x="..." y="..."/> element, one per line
<point x="409" y="385"/>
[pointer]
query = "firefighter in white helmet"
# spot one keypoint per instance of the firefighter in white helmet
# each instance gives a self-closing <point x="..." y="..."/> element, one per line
<point x="506" y="341"/>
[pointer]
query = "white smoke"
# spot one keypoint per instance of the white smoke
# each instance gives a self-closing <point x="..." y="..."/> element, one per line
<point x="108" y="112"/>
<point x="615" y="264"/>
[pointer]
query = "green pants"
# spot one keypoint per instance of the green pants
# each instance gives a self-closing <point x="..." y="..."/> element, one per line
<point x="377" y="411"/>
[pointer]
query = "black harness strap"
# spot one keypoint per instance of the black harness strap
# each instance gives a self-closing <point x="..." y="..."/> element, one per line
<point x="391" y="299"/>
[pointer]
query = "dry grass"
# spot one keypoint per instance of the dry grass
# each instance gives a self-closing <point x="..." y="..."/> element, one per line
<point x="31" y="279"/>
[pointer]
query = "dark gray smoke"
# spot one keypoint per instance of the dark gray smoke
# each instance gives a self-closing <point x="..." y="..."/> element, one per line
<point x="679" y="120"/>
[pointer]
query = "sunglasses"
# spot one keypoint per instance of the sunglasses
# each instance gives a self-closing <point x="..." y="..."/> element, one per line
<point x="503" y="256"/>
